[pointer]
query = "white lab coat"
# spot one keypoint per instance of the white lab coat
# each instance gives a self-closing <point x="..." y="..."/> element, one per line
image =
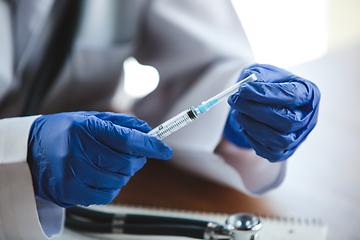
<point x="198" y="47"/>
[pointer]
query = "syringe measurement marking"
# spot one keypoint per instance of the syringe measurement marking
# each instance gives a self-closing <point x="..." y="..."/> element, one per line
<point x="170" y="128"/>
<point x="175" y="125"/>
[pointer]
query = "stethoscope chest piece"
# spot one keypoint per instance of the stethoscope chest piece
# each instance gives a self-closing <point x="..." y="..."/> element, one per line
<point x="244" y="226"/>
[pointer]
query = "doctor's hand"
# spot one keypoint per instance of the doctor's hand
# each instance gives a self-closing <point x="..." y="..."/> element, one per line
<point x="86" y="157"/>
<point x="273" y="115"/>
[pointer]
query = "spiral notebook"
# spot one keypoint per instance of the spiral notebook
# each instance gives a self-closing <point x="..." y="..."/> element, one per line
<point x="272" y="228"/>
<point x="162" y="189"/>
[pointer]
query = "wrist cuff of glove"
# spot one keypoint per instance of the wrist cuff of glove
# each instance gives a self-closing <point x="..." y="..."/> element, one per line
<point x="237" y="136"/>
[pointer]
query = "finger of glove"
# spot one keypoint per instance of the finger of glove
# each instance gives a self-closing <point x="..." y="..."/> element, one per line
<point x="267" y="73"/>
<point x="267" y="136"/>
<point x="107" y="159"/>
<point x="269" y="154"/>
<point x="95" y="176"/>
<point x="234" y="132"/>
<point x="126" y="140"/>
<point x="285" y="94"/>
<point x="78" y="193"/>
<point x="122" y="163"/>
<point x="125" y="121"/>
<point x="281" y="119"/>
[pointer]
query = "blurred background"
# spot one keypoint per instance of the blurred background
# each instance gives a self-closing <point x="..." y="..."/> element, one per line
<point x="283" y="33"/>
<point x="318" y="40"/>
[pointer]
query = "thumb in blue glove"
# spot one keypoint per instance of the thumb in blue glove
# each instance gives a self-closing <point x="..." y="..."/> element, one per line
<point x="273" y="115"/>
<point x="86" y="157"/>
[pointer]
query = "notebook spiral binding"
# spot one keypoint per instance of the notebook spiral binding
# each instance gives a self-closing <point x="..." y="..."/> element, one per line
<point x="292" y="220"/>
<point x="215" y="215"/>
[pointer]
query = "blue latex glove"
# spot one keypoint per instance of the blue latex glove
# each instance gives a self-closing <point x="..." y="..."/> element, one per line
<point x="274" y="114"/>
<point x="86" y="157"/>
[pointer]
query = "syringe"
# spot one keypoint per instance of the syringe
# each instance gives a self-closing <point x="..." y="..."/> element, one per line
<point x="189" y="115"/>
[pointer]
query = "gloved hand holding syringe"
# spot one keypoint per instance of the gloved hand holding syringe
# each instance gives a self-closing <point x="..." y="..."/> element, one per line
<point x="189" y="115"/>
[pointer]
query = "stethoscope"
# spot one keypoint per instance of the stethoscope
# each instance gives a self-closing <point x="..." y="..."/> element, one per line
<point x="242" y="226"/>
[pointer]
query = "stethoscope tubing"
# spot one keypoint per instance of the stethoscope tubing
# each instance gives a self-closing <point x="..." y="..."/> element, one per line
<point x="81" y="219"/>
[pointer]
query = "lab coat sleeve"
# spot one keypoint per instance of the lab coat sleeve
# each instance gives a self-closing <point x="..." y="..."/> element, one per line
<point x="199" y="50"/>
<point x="20" y="213"/>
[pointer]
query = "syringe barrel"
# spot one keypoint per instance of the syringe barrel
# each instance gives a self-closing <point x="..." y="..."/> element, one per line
<point x="174" y="124"/>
